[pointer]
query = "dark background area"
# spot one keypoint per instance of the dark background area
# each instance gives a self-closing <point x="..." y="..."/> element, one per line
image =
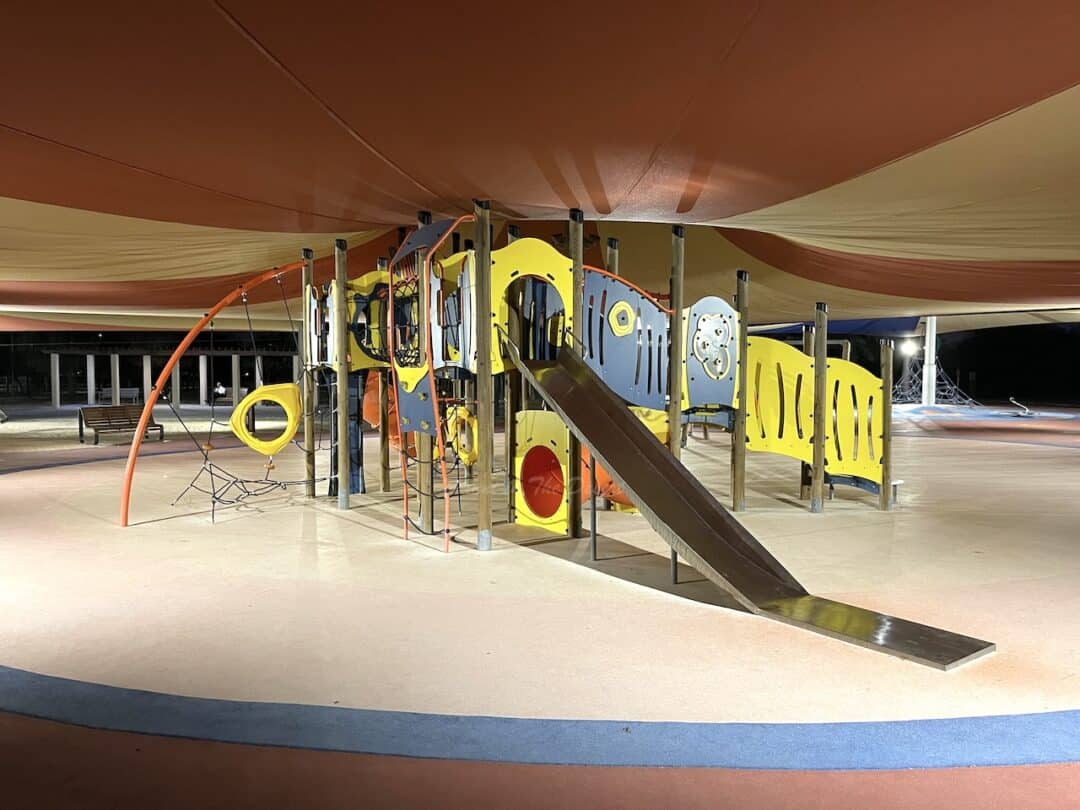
<point x="24" y="359"/>
<point x="1036" y="364"/>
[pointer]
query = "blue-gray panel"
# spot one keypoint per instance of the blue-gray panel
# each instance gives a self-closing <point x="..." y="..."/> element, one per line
<point x="711" y="353"/>
<point x="633" y="365"/>
<point x="422" y="238"/>
<point x="416" y="408"/>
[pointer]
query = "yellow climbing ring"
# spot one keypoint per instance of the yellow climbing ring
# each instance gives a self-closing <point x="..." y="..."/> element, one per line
<point x="621" y="318"/>
<point x="287" y="395"/>
<point x="461" y="424"/>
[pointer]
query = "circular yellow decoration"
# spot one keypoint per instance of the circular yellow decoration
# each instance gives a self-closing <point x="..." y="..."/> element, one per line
<point x="462" y="426"/>
<point x="621" y="318"/>
<point x="287" y="395"/>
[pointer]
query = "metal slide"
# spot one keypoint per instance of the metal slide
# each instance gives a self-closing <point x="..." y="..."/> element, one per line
<point x="706" y="535"/>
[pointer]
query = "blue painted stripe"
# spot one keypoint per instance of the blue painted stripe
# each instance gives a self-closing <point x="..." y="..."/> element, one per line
<point x="1022" y="739"/>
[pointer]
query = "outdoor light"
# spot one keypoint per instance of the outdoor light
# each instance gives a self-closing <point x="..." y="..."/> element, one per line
<point x="909" y="348"/>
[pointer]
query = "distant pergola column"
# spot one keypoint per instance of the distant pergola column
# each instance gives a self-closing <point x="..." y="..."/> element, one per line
<point x="176" y="383"/>
<point x="114" y="377"/>
<point x="204" y="373"/>
<point x="147" y="378"/>
<point x="91" y="380"/>
<point x="929" y="385"/>
<point x="235" y="378"/>
<point x="54" y="378"/>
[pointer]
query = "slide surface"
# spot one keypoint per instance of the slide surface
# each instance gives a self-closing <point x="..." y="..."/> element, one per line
<point x="706" y="535"/>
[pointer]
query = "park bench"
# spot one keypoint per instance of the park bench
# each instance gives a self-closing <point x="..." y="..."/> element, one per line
<point x="114" y="419"/>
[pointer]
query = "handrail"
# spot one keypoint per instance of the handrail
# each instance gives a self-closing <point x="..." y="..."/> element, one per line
<point x="631" y="285"/>
<point x="151" y="400"/>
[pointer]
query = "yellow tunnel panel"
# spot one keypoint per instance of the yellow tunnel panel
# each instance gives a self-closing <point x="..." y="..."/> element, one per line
<point x="287" y="395"/>
<point x="780" y="399"/>
<point x="359" y="360"/>
<point x="526" y="257"/>
<point x="853" y="421"/>
<point x="541" y="470"/>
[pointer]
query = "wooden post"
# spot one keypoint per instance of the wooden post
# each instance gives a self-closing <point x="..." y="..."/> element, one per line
<point x="341" y="369"/>
<point x="307" y="352"/>
<point x="613" y="255"/>
<point x="577" y="306"/>
<point x="885" y="497"/>
<point x="806" y="471"/>
<point x="675" y="340"/>
<point x="91" y="380"/>
<point x="485" y="389"/>
<point x="54" y="378"/>
<point x="738" y="437"/>
<point x="821" y="364"/>
<point x="512" y="385"/>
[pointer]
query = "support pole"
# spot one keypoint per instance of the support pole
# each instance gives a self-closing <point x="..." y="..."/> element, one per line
<point x="147" y="378"/>
<point x="234" y="374"/>
<point x="885" y="496"/>
<point x="613" y="255"/>
<point x="307" y="279"/>
<point x="738" y="438"/>
<point x="204" y="388"/>
<point x="577" y="258"/>
<point x="54" y="378"/>
<point x="821" y="360"/>
<point x="512" y="390"/>
<point x="485" y="388"/>
<point x="91" y="380"/>
<point x="592" y="507"/>
<point x="385" y="382"/>
<point x="258" y="371"/>
<point x="176" y="383"/>
<point x="114" y="377"/>
<point x="929" y="387"/>
<point x="425" y="442"/>
<point x="806" y="470"/>
<point x="675" y="341"/>
<point x="341" y="369"/>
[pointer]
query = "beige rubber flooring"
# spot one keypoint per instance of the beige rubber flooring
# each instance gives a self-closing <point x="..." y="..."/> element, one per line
<point x="286" y="599"/>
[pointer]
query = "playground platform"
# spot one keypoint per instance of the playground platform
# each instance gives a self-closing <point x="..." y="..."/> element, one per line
<point x="292" y="650"/>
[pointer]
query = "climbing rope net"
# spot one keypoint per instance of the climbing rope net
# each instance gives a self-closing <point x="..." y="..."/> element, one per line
<point x="908" y="389"/>
<point x="221" y="486"/>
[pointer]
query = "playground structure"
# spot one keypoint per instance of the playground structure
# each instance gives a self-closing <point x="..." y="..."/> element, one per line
<point x="413" y="346"/>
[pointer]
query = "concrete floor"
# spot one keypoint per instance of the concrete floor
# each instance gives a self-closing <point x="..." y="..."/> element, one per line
<point x="293" y="601"/>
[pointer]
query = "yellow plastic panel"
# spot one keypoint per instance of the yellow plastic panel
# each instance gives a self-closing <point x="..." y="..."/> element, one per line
<point x="287" y="395"/>
<point x="536" y="498"/>
<point x="526" y="257"/>
<point x="853" y="421"/>
<point x="780" y="399"/>
<point x="365" y="285"/>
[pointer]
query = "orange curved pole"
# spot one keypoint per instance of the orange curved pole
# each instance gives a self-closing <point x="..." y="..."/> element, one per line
<point x="631" y="285"/>
<point x="148" y="408"/>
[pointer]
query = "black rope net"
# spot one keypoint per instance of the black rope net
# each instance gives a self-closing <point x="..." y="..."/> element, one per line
<point x="908" y="390"/>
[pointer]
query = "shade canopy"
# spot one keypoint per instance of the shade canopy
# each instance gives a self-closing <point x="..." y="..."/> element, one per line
<point x="891" y="158"/>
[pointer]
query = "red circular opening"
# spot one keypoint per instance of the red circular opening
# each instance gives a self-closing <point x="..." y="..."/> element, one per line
<point x="542" y="481"/>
